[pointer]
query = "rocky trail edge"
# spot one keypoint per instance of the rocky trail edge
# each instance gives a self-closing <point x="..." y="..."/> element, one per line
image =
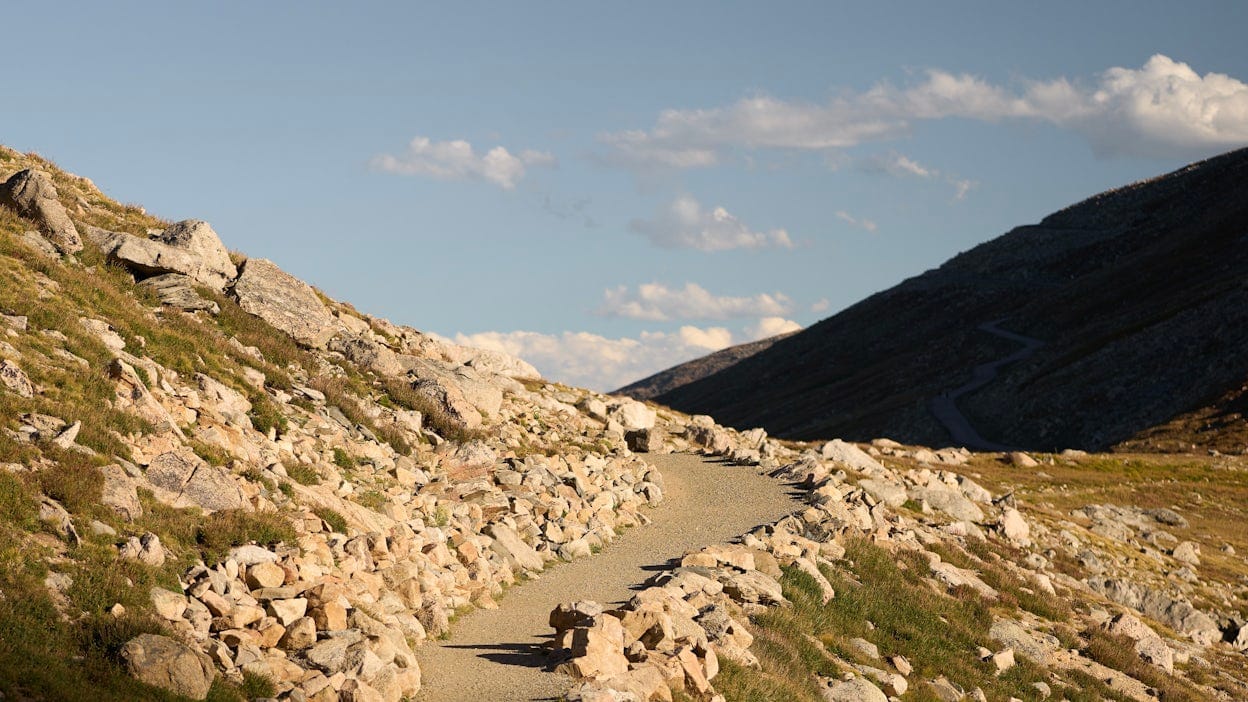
<point x="500" y="654"/>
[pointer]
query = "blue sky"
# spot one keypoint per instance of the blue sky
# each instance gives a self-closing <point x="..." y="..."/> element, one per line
<point x="604" y="189"/>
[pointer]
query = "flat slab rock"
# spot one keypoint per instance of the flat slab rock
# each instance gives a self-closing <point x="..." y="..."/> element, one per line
<point x="284" y="301"/>
<point x="182" y="482"/>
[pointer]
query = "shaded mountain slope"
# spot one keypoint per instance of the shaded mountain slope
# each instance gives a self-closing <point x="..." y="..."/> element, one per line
<point x="1136" y="292"/>
<point x="685" y="373"/>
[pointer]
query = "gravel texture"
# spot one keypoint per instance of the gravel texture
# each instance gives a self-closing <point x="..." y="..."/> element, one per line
<point x="498" y="655"/>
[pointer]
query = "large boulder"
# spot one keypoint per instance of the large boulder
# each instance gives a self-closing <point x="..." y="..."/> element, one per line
<point x="162" y="662"/>
<point x="948" y="501"/>
<point x="597" y="650"/>
<point x="183" y="482"/>
<point x="1148" y="644"/>
<point x="449" y="398"/>
<point x="490" y="361"/>
<point x="853" y="690"/>
<point x="465" y="395"/>
<point x="632" y="415"/>
<point x="367" y="353"/>
<point x="284" y="301"/>
<point x="152" y="257"/>
<point x="1178" y="614"/>
<point x="850" y="455"/>
<point x="197" y="238"/>
<point x="33" y="195"/>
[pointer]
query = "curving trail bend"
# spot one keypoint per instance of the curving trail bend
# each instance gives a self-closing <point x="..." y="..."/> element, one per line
<point x="499" y="655"/>
<point x="945" y="406"/>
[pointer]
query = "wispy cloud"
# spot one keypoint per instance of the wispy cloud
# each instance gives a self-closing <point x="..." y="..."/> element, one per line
<point x="686" y="224"/>
<point x="458" y="160"/>
<point x="857" y="222"/>
<point x="657" y="302"/>
<point x="1162" y="108"/>
<point x="901" y="166"/>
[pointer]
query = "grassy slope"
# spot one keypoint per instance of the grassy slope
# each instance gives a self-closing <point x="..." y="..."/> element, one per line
<point x="74" y="658"/>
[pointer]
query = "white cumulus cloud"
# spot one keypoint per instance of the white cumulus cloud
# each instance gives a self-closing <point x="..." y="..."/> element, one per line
<point x="1163" y="107"/>
<point x="458" y="160"/>
<point x="658" y="302"/>
<point x="685" y="224"/>
<point x="770" y="326"/>
<point x="602" y="363"/>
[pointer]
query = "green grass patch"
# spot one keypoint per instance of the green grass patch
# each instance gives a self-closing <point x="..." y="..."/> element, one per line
<point x="401" y="393"/>
<point x="372" y="499"/>
<point x="1118" y="652"/>
<point x="881" y="597"/>
<point x="342" y="459"/>
<point x="226" y="529"/>
<point x="303" y="474"/>
<point x="331" y="517"/>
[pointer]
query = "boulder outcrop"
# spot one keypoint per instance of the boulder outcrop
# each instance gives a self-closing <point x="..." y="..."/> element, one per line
<point x="284" y="301"/>
<point x="33" y="195"/>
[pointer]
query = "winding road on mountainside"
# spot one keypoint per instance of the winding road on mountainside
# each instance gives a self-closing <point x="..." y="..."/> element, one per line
<point x="500" y="655"/>
<point x="945" y="406"/>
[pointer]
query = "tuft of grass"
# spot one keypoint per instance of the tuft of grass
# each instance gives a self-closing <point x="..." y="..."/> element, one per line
<point x="396" y="436"/>
<point x="265" y="415"/>
<point x="256" y="685"/>
<point x="331" y="517"/>
<point x="441" y="516"/>
<point x="373" y="499"/>
<point x="18" y="506"/>
<point x="102" y="579"/>
<point x="401" y="393"/>
<point x="303" y="474"/>
<point x="212" y="455"/>
<point x="226" y="529"/>
<point x="342" y="459"/>
<point x="77" y="485"/>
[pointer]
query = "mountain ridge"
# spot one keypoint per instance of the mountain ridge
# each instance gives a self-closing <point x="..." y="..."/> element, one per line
<point x="1160" y="254"/>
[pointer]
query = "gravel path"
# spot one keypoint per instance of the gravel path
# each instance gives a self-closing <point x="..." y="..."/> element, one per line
<point x="945" y="406"/>
<point x="498" y="655"/>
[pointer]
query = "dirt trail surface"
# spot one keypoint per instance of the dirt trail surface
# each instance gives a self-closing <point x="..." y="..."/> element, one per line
<point x="945" y="407"/>
<point x="499" y="655"/>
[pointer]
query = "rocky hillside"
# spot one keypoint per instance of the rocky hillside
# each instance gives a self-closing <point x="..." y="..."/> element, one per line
<point x="217" y="483"/>
<point x="665" y="381"/>
<point x="1136" y="296"/>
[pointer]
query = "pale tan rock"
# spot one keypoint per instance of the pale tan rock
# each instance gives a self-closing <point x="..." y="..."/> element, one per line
<point x="598" y="650"/>
<point x="33" y="195"/>
<point x="162" y="662"/>
<point x="265" y="575"/>
<point x="285" y="302"/>
<point x="170" y="605"/>
<point x="13" y="378"/>
<point x="330" y="616"/>
<point x="287" y="611"/>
